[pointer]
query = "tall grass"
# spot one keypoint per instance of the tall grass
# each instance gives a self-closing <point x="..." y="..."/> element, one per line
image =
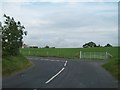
<point x="13" y="64"/>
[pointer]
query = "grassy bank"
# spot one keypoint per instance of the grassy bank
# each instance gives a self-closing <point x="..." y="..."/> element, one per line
<point x="13" y="64"/>
<point x="113" y="67"/>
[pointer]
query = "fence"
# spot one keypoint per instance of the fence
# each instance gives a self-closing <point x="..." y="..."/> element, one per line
<point x="74" y="54"/>
<point x="95" y="55"/>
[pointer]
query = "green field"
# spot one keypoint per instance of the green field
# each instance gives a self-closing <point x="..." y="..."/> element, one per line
<point x="66" y="52"/>
<point x="74" y="53"/>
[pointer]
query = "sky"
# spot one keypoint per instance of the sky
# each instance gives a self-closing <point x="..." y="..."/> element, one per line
<point x="65" y="23"/>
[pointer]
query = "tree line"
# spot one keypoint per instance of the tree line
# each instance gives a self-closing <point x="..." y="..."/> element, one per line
<point x="92" y="44"/>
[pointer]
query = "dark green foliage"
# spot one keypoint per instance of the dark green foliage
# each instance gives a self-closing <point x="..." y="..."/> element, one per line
<point x="46" y="46"/>
<point x="52" y="47"/>
<point x="33" y="46"/>
<point x="98" y="45"/>
<point x="90" y="44"/>
<point x="108" y="45"/>
<point x="14" y="64"/>
<point x="12" y="35"/>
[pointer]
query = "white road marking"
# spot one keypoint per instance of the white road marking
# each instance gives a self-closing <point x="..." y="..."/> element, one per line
<point x="54" y="76"/>
<point x="34" y="89"/>
<point x="65" y="63"/>
<point x="51" y="60"/>
<point x="46" y="59"/>
<point x="57" y="60"/>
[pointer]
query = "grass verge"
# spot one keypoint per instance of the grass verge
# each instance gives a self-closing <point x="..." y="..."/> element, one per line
<point x="14" y="64"/>
<point x="113" y="67"/>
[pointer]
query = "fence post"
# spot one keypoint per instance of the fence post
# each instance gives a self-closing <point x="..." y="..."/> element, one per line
<point x="47" y="53"/>
<point x="90" y="56"/>
<point x="94" y="55"/>
<point x="106" y="55"/>
<point x="80" y="55"/>
<point x="29" y="53"/>
<point x="37" y="53"/>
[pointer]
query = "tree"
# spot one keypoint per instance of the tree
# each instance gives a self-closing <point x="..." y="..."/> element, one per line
<point x="46" y="46"/>
<point x="108" y="45"/>
<point x="85" y="45"/>
<point x="90" y="44"/>
<point x="52" y="47"/>
<point x="98" y="45"/>
<point x="12" y="35"/>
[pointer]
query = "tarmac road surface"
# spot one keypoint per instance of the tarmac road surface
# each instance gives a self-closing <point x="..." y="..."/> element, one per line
<point x="61" y="73"/>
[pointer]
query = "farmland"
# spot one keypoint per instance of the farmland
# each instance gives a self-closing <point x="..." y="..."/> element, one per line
<point x="66" y="52"/>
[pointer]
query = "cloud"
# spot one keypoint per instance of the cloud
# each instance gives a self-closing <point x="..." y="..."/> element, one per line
<point x="66" y="24"/>
<point x="61" y="1"/>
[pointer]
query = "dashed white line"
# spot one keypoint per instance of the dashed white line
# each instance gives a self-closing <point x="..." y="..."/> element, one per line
<point x="54" y="76"/>
<point x="57" y="60"/>
<point x="50" y="60"/>
<point x="57" y="73"/>
<point x="65" y="63"/>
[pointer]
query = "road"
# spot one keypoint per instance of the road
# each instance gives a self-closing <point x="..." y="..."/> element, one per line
<point x="60" y="73"/>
